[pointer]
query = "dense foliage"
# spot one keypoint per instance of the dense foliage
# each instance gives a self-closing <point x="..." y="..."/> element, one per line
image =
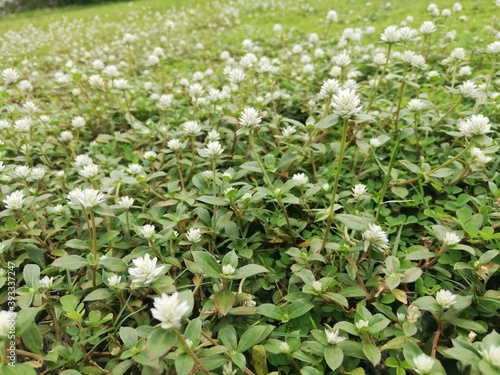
<point x="304" y="203"/>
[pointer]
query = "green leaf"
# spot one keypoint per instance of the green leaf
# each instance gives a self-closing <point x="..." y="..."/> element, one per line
<point x="224" y="300"/>
<point x="70" y="262"/>
<point x="420" y="254"/>
<point x="353" y="291"/>
<point x="469" y="325"/>
<point x="19" y="369"/>
<point x="183" y="364"/>
<point x="207" y="264"/>
<point x="271" y="311"/>
<point x="32" y="338"/>
<point x="129" y="336"/>
<point x="371" y="352"/>
<point x="113" y="264"/>
<point x="107" y="237"/>
<point x="77" y="244"/>
<point x="31" y="275"/>
<point x="24" y="318"/>
<point x="377" y="323"/>
<point x="253" y="336"/>
<point x="427" y="303"/>
<point x="299" y="307"/>
<point x="328" y="122"/>
<point x="334" y="356"/>
<point x="249" y="270"/>
<point x="193" y="329"/>
<point x="98" y="294"/>
<point x="159" y="342"/>
<point x="340" y="299"/>
<point x="395" y="343"/>
<point x="228" y="337"/>
<point x="215" y="201"/>
<point x="352" y="221"/>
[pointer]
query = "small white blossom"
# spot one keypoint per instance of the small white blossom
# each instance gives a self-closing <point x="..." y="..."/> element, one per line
<point x="492" y="355"/>
<point x="147" y="231"/>
<point x="14" y="201"/>
<point x="228" y="270"/>
<point x="423" y="364"/>
<point x="445" y="298"/>
<point x="145" y="270"/>
<point x="191" y="128"/>
<point x="250" y="117"/>
<point x="413" y="314"/>
<point x="46" y="282"/>
<point x="332" y="16"/>
<point x="480" y="159"/>
<point x="427" y="27"/>
<point x="126" y="202"/>
<point x="358" y="191"/>
<point x="391" y="34"/>
<point x="78" y="122"/>
<point x="451" y="239"/>
<point x="475" y="125"/>
<point x="22" y="171"/>
<point x="345" y="103"/>
<point x="300" y="178"/>
<point x="7" y="319"/>
<point x="375" y="237"/>
<point x="10" y="76"/>
<point x="213" y="150"/>
<point x="415" y="105"/>
<point x="193" y="235"/>
<point x="284" y="348"/>
<point x="375" y="142"/>
<point x="175" y="144"/>
<point x="86" y="198"/>
<point x="114" y="280"/>
<point x="134" y="169"/>
<point x="169" y="310"/>
<point x="89" y="171"/>
<point x="333" y="337"/>
<point x="362" y="324"/>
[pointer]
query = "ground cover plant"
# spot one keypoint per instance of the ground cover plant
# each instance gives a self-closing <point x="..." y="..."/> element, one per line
<point x="272" y="187"/>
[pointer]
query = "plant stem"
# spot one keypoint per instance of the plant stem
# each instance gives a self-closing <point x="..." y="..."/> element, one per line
<point x="331" y="209"/>
<point x="449" y="111"/>
<point x="447" y="162"/>
<point x="191" y="353"/>
<point x="388" y="173"/>
<point x="375" y="90"/>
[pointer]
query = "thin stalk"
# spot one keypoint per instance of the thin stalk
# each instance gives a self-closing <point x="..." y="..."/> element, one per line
<point x="270" y="185"/>
<point x="329" y="221"/>
<point x="401" y="94"/>
<point x="446" y="163"/>
<point x="490" y="79"/>
<point x="388" y="173"/>
<point x="449" y="111"/>
<point x="192" y="354"/>
<point x="181" y="179"/>
<point x="374" y="94"/>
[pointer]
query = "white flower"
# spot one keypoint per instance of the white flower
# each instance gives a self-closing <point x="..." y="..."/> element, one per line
<point x="14" y="201"/>
<point x="228" y="270"/>
<point x="451" y="239"/>
<point x="193" y="235"/>
<point x="213" y="150"/>
<point x="300" y="178"/>
<point x="480" y="159"/>
<point x="407" y="34"/>
<point x="413" y="314"/>
<point x="333" y="337"/>
<point x="345" y="103"/>
<point x="145" y="270"/>
<point x="423" y="364"/>
<point x="468" y="89"/>
<point x="120" y="84"/>
<point x="195" y="90"/>
<point x="493" y="48"/>
<point x="150" y="155"/>
<point x="37" y="174"/>
<point x="78" y="122"/>
<point x="288" y="131"/>
<point x="175" y="144"/>
<point x="475" y="125"/>
<point x="89" y="171"/>
<point x="169" y="310"/>
<point x="7" y="320"/>
<point x="375" y="237"/>
<point x="10" y="76"/>
<point x="126" y="202"/>
<point x="375" y="142"/>
<point x="95" y="80"/>
<point x="415" y="105"/>
<point x="342" y="60"/>
<point x="191" y="127"/>
<point x="86" y="198"/>
<point x="427" y="27"/>
<point x="358" y="191"/>
<point x="250" y="117"/>
<point x="65" y="136"/>
<point x="82" y="160"/>
<point x="445" y="298"/>
<point x="284" y="348"/>
<point x="164" y="102"/>
<point x="361" y="324"/>
<point x="46" y="282"/>
<point x="277" y="28"/>
<point x="114" y="280"/>
<point x="390" y="35"/>
<point x="147" y="231"/>
<point x="134" y="169"/>
<point x="22" y="171"/>
<point x="457" y="7"/>
<point x="329" y="87"/>
<point x="492" y="355"/>
<point x="332" y="16"/>
<point x="446" y="12"/>
<point x="401" y="317"/>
